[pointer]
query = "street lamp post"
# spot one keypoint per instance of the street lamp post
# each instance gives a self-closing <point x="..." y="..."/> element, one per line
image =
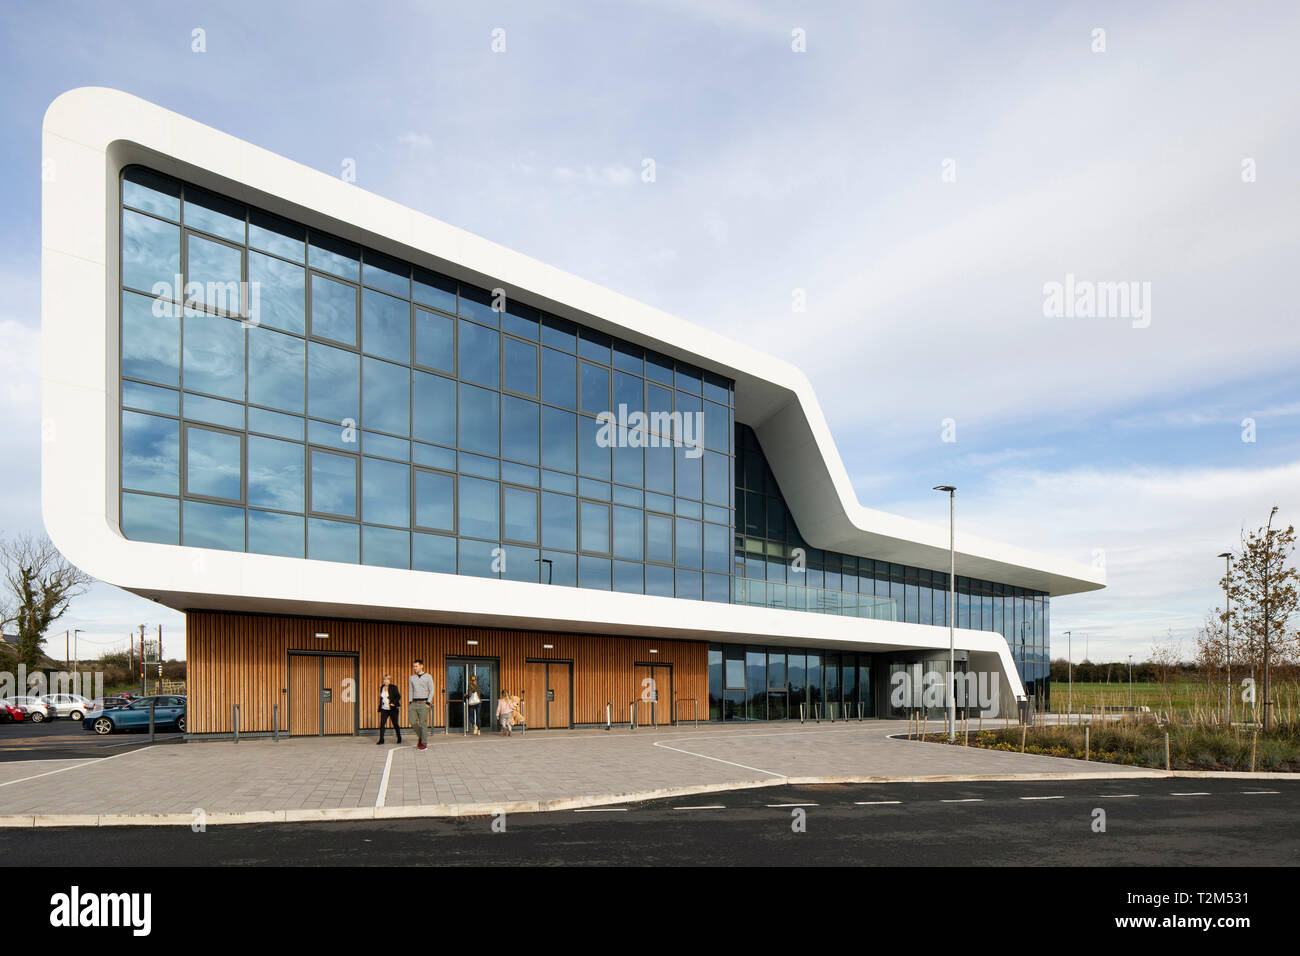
<point x="1227" y="624"/>
<point x="76" y="653"/>
<point x="952" y="608"/>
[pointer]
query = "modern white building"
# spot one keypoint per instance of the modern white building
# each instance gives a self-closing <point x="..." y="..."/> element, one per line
<point x="339" y="434"/>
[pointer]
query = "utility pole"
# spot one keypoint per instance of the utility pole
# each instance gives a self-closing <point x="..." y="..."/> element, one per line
<point x="143" y="691"/>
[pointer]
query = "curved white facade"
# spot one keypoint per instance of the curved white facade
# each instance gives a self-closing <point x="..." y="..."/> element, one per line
<point x="90" y="134"/>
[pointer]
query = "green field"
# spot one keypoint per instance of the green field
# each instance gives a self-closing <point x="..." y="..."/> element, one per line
<point x="1181" y="695"/>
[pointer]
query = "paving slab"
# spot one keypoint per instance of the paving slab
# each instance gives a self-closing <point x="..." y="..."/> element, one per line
<point x="349" y="777"/>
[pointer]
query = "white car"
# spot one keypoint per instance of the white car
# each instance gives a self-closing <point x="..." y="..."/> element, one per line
<point x="36" y="709"/>
<point x="66" y="705"/>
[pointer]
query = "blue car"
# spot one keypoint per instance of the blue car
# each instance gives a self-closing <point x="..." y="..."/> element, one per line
<point x="169" y="713"/>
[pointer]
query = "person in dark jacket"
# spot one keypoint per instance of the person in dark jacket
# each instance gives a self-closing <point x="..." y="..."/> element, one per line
<point x="390" y="700"/>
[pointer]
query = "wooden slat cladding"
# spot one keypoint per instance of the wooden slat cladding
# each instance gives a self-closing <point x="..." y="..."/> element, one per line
<point x="244" y="659"/>
<point x="304" y="695"/>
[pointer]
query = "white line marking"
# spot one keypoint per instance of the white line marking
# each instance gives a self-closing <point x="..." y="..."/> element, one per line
<point x="965" y="800"/>
<point x="1200" y="793"/>
<point x="1042" y="798"/>
<point x="778" y="806"/>
<point x="88" y="763"/>
<point x="1111" y="796"/>
<point x="716" y="806"/>
<point x="603" y="810"/>
<point x="383" y="781"/>
<point x="874" y="803"/>
<point x="1253" y="792"/>
<point x="729" y="763"/>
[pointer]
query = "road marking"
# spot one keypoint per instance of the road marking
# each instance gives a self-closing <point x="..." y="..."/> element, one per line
<point x="716" y="806"/>
<point x="778" y="806"/>
<point x="968" y="800"/>
<point x="1199" y="793"/>
<point x="603" y="810"/>
<point x="874" y="803"/>
<point x="730" y="763"/>
<point x="1042" y="798"/>
<point x="383" y="781"/>
<point x="1111" y="796"/>
<point x="1253" y="792"/>
<point x="88" y="763"/>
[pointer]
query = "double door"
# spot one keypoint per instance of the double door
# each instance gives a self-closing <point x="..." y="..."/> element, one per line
<point x="548" y="694"/>
<point x="654" y="690"/>
<point x="463" y="675"/>
<point x="322" y="694"/>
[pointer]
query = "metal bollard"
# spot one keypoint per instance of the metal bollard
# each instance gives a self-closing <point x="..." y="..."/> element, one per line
<point x="275" y="722"/>
<point x="235" y="709"/>
<point x="609" y="714"/>
<point x="446" y="714"/>
<point x="153" y="702"/>
<point x="801" y="713"/>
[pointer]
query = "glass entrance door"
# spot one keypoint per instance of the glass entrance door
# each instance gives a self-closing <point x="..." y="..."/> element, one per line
<point x="461" y="715"/>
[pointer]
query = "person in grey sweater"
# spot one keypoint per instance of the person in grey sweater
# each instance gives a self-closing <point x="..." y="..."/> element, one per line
<point x="420" y="700"/>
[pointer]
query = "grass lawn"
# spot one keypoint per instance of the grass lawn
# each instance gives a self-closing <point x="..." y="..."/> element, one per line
<point x="1183" y="695"/>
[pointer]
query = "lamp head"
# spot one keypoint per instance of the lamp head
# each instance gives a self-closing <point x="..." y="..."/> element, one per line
<point x="948" y="488"/>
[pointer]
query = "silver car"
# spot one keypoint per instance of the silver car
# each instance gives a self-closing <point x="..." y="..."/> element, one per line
<point x="36" y="709"/>
<point x="66" y="705"/>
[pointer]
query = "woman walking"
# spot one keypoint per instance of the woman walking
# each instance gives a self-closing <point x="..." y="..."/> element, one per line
<point x="473" y="698"/>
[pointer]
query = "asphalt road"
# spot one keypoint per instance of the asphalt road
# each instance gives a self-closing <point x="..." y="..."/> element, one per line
<point x="66" y="739"/>
<point x="1147" y="823"/>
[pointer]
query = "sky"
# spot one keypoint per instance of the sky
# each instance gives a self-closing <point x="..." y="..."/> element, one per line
<point x="882" y="194"/>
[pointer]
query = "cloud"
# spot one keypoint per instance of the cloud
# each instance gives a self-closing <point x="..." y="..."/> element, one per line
<point x="416" y="140"/>
<point x="1158" y="529"/>
<point x="610" y="174"/>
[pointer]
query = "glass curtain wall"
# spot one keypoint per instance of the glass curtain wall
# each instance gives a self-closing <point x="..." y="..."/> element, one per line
<point x="286" y="392"/>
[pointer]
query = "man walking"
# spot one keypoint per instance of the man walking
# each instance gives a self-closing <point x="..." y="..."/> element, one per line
<point x="390" y="701"/>
<point x="421" y="696"/>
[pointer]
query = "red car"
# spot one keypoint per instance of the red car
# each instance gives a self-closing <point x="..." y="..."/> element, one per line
<point x="10" y="714"/>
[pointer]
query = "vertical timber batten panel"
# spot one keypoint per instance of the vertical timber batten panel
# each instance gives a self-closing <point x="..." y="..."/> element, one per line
<point x="245" y="659"/>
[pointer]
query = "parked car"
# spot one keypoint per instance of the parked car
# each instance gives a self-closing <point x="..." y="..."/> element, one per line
<point x="33" y="708"/>
<point x="101" y="704"/>
<point x="169" y="713"/>
<point x="10" y="714"/>
<point x="66" y="705"/>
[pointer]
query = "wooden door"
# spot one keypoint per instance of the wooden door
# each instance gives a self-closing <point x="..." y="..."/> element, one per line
<point x="654" y="683"/>
<point x="534" y="702"/>
<point x="304" y="695"/>
<point x="338" y="696"/>
<point x="559" y="678"/>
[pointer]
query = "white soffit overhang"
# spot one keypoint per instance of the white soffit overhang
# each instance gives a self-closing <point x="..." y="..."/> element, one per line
<point x="91" y="133"/>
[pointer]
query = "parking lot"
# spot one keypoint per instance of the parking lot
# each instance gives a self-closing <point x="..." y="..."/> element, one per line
<point x="64" y="739"/>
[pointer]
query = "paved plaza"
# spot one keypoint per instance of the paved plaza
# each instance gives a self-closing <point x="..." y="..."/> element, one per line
<point x="348" y="777"/>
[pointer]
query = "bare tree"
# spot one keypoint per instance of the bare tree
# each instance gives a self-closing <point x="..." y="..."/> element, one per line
<point x="39" y="585"/>
<point x="1262" y="586"/>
